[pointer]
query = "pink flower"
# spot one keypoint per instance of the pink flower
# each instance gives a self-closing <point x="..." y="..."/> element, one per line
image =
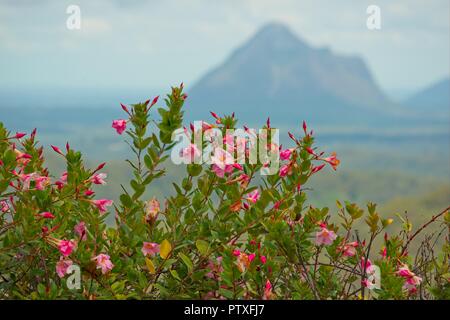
<point x="47" y="215"/>
<point x="367" y="266"/>
<point x="285" y="154"/>
<point x="332" y="160"/>
<point x="99" y="178"/>
<point x="41" y="182"/>
<point x="236" y="253"/>
<point x="80" y="230"/>
<point x="4" y="207"/>
<point x="101" y="204"/>
<point x="349" y="249"/>
<point x="267" y="290"/>
<point x="251" y="257"/>
<point x="253" y="196"/>
<point x="263" y="259"/>
<point x="243" y="262"/>
<point x="152" y="208"/>
<point x="325" y="237"/>
<point x="120" y="125"/>
<point x="26" y="179"/>
<point x="150" y="248"/>
<point x="411" y="280"/>
<point x="61" y="267"/>
<point x="103" y="262"/>
<point x="220" y="172"/>
<point x="62" y="181"/>
<point x="284" y="170"/>
<point x="222" y="162"/>
<point x="191" y="153"/>
<point x="66" y="247"/>
<point x="405" y="272"/>
<point x="411" y="284"/>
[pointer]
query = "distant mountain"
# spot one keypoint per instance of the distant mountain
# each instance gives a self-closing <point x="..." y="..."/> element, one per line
<point x="275" y="73"/>
<point x="434" y="98"/>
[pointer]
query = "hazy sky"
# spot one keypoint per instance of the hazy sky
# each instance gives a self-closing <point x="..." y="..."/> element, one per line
<point x="159" y="43"/>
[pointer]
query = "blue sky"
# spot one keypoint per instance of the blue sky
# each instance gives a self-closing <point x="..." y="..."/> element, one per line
<point x="155" y="44"/>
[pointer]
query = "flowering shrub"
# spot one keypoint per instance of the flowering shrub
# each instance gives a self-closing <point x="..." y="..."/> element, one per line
<point x="226" y="233"/>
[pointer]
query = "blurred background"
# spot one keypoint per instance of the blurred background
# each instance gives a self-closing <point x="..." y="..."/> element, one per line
<point x="378" y="97"/>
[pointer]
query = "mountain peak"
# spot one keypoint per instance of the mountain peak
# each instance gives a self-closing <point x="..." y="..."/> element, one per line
<point x="276" y="68"/>
<point x="276" y="34"/>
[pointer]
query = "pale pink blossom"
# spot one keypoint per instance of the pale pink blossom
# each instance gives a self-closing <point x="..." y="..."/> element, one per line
<point x="332" y="160"/>
<point x="61" y="267"/>
<point x="220" y="172"/>
<point x="80" y="230"/>
<point x="191" y="154"/>
<point x="26" y="179"/>
<point x="411" y="280"/>
<point x="349" y="249"/>
<point x="41" y="182"/>
<point x="101" y="204"/>
<point x="103" y="262"/>
<point x="152" y="208"/>
<point x="120" y="125"/>
<point x="222" y="162"/>
<point x="253" y="196"/>
<point x="367" y="266"/>
<point x="150" y="248"/>
<point x="99" y="178"/>
<point x="325" y="237"/>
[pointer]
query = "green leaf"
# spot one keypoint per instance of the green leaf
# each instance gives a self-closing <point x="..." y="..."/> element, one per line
<point x="202" y="246"/>
<point x="186" y="261"/>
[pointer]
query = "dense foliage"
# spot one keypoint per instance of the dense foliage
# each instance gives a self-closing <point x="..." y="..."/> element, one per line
<point x="227" y="233"/>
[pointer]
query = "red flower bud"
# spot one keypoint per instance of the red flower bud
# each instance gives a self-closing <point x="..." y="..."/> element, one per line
<point x="100" y="166"/>
<point x="155" y="100"/>
<point x="304" y="126"/>
<point x="19" y="135"/>
<point x="318" y="168"/>
<point x="57" y="150"/>
<point x="124" y="107"/>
